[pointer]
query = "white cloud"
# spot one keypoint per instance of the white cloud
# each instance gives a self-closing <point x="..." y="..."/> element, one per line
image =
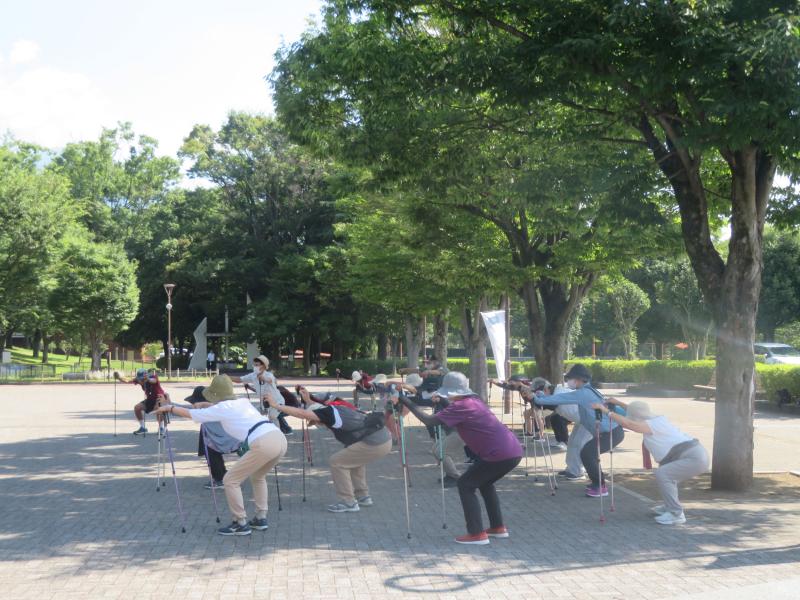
<point x="23" y="51"/>
<point x="51" y="107"/>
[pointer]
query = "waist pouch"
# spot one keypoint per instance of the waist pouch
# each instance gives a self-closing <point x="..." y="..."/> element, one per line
<point x="245" y="445"/>
<point x="678" y="449"/>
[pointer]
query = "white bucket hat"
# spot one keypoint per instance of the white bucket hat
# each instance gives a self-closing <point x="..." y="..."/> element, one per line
<point x="380" y="378"/>
<point x="639" y="411"/>
<point x="356" y="376"/>
<point x="454" y="384"/>
<point x="414" y="379"/>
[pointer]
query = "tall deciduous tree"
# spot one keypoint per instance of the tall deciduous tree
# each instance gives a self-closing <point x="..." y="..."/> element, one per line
<point x="95" y="294"/>
<point x="699" y="82"/>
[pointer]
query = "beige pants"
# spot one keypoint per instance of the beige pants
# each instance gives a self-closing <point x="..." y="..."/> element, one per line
<point x="264" y="454"/>
<point x="349" y="469"/>
<point x="453" y="450"/>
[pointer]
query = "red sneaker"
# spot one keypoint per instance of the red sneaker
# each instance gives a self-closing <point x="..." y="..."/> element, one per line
<point x="497" y="532"/>
<point x="479" y="539"/>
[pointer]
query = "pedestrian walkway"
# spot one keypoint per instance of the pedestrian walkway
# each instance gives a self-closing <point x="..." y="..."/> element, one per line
<point x="80" y="517"/>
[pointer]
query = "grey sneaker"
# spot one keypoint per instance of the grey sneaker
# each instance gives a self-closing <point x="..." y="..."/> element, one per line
<point x="341" y="507"/>
<point x="235" y="529"/>
<point x="365" y="501"/>
<point x="259" y="524"/>
<point x="670" y="518"/>
<point x="659" y="509"/>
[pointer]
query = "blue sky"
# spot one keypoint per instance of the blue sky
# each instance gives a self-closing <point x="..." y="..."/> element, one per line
<point x="70" y="67"/>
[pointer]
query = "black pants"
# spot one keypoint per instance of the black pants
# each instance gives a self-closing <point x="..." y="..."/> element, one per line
<point x="589" y="453"/>
<point x="216" y="461"/>
<point x="482" y="476"/>
<point x="560" y="427"/>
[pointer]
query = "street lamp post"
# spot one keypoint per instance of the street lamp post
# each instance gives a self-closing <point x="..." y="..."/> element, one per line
<point x="168" y="287"/>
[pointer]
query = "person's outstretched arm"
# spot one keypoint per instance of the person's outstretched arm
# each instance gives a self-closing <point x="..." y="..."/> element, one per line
<point x="637" y="426"/>
<point x="426" y="419"/>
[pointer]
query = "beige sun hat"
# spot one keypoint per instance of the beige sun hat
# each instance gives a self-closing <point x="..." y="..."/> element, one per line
<point x="221" y="388"/>
<point x="263" y="360"/>
<point x="639" y="411"/>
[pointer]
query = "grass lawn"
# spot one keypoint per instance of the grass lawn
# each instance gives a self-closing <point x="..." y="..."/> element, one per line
<point x="64" y="364"/>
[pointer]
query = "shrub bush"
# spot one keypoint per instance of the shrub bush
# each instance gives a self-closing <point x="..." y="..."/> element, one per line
<point x="771" y="378"/>
<point x="674" y="374"/>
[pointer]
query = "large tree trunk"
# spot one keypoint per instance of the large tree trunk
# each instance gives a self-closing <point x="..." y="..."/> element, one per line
<point x="383" y="346"/>
<point x="36" y="342"/>
<point x="441" y="322"/>
<point x="95" y="341"/>
<point x="45" y="348"/>
<point x="474" y="334"/>
<point x="306" y="353"/>
<point x="8" y="338"/>
<point x="415" y="336"/>
<point x="731" y="289"/>
<point x="550" y="306"/>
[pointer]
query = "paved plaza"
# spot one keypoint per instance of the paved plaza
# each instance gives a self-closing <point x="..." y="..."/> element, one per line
<point x="80" y="517"/>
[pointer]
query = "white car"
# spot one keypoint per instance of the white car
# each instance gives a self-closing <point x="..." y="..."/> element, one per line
<point x="778" y="354"/>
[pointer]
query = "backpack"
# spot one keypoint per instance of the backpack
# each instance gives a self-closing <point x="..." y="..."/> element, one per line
<point x="371" y="422"/>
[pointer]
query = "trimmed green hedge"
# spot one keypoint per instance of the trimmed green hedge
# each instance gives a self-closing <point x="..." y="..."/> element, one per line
<point x="671" y="374"/>
<point x="772" y="378"/>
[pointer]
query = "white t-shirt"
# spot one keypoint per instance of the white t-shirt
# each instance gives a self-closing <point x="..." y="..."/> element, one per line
<point x="235" y="416"/>
<point x="665" y="435"/>
<point x="268" y="388"/>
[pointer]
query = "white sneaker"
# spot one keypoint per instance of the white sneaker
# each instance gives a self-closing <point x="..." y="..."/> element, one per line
<point x="341" y="507"/>
<point x="560" y="446"/>
<point x="659" y="509"/>
<point x="670" y="518"/>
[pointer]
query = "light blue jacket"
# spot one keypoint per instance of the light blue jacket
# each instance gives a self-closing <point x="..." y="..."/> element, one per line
<point x="584" y="397"/>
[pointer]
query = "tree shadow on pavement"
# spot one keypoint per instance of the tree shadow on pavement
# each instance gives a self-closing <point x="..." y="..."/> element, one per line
<point x="89" y="495"/>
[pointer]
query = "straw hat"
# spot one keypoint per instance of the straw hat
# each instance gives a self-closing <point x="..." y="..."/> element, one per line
<point x="454" y="384"/>
<point x="639" y="411"/>
<point x="221" y="388"/>
<point x="414" y="379"/>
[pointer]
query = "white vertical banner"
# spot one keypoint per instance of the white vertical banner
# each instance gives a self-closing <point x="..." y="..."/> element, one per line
<point x="495" y="322"/>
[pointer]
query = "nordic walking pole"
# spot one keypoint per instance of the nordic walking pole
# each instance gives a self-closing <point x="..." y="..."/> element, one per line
<point x="115" y="405"/>
<point x="406" y="470"/>
<point x="598" y="418"/>
<point x="278" y="486"/>
<point x="611" y="508"/>
<point x="405" y="473"/>
<point x="174" y="476"/>
<point x="338" y="374"/>
<point x="160" y="466"/>
<point x="303" y="458"/>
<point x="441" y="437"/>
<point x="210" y="474"/>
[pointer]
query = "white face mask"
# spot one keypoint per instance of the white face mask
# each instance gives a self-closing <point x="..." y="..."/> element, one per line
<point x="258" y="367"/>
<point x="572" y="384"/>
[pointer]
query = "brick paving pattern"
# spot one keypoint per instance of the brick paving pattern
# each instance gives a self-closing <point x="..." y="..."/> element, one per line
<point x="80" y="518"/>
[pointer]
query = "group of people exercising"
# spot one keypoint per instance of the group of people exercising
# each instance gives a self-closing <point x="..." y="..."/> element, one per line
<point x="231" y="423"/>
